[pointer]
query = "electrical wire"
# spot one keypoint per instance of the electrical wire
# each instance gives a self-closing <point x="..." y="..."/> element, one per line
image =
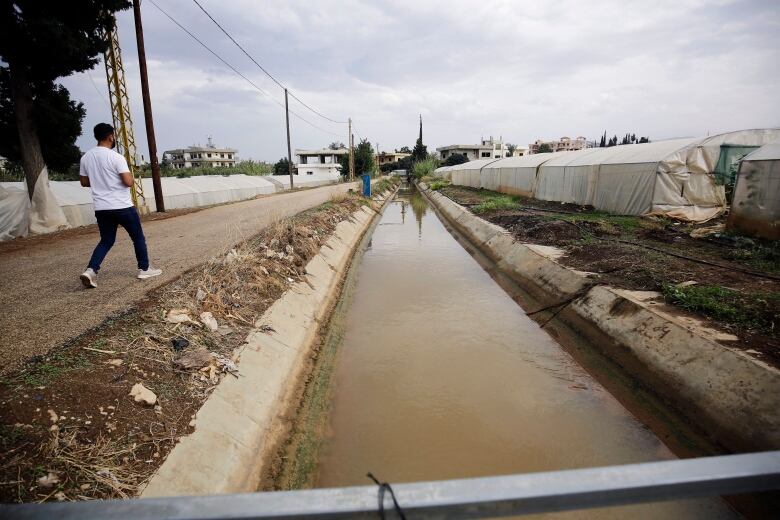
<point x="263" y="68"/>
<point x="235" y="70"/>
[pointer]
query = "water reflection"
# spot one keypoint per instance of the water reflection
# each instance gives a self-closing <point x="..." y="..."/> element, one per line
<point x="419" y="207"/>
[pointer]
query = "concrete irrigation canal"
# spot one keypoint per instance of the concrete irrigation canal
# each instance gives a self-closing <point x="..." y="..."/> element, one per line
<point x="431" y="370"/>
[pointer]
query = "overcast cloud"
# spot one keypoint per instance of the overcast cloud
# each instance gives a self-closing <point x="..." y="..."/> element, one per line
<point x="522" y="70"/>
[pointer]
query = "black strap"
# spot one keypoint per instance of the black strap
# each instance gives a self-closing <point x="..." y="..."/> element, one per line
<point x="384" y="486"/>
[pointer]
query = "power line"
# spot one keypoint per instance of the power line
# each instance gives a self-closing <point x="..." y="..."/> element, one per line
<point x="263" y="68"/>
<point x="231" y="67"/>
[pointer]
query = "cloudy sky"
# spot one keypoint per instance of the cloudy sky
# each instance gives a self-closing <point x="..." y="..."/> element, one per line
<point x="522" y="70"/>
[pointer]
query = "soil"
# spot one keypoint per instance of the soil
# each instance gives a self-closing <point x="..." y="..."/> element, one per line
<point x="69" y="429"/>
<point x="590" y="241"/>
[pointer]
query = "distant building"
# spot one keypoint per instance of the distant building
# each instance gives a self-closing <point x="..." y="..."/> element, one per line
<point x="560" y="145"/>
<point x="208" y="156"/>
<point x="390" y="157"/>
<point x="520" y="151"/>
<point x="316" y="162"/>
<point x="488" y="149"/>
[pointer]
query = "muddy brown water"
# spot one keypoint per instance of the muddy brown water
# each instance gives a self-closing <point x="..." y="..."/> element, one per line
<point x="441" y="375"/>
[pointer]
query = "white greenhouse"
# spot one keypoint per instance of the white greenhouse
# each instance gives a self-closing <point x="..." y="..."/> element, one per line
<point x="755" y="209"/>
<point x="680" y="178"/>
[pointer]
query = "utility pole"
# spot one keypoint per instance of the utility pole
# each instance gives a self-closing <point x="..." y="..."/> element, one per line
<point x="351" y="140"/>
<point x="150" y="139"/>
<point x="289" y="150"/>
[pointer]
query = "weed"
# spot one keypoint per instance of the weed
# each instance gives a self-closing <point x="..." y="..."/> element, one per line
<point x="753" y="311"/>
<point x="425" y="167"/>
<point x="496" y="203"/>
<point x="439" y="184"/>
<point x="52" y="367"/>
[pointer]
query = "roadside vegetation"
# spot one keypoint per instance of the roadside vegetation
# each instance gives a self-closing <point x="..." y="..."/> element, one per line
<point x="730" y="279"/>
<point x="386" y="183"/>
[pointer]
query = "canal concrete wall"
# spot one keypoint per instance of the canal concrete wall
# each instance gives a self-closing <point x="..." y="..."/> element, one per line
<point x="732" y="396"/>
<point x="241" y="424"/>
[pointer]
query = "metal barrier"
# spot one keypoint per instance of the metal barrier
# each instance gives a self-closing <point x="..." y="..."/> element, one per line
<point x="463" y="498"/>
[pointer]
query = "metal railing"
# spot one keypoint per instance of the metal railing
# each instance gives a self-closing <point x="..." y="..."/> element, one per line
<point x="463" y="498"/>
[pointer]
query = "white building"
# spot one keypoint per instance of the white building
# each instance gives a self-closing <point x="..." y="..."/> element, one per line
<point x="197" y="156"/>
<point x="520" y="151"/>
<point x="488" y="149"/>
<point x="319" y="162"/>
<point x="564" y="144"/>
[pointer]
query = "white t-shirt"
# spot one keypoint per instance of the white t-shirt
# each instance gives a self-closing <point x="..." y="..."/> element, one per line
<point x="103" y="166"/>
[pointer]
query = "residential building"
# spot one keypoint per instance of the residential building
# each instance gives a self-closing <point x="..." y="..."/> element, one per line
<point x="201" y="156"/>
<point x="316" y="162"/>
<point x="487" y="149"/>
<point x="390" y="157"/>
<point x="560" y="145"/>
<point x="520" y="151"/>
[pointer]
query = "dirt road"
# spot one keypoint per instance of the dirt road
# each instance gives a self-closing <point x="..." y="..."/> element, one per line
<point x="42" y="301"/>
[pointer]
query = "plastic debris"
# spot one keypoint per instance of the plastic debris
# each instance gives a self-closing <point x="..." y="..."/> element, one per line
<point x="209" y="321"/>
<point x="179" y="316"/>
<point x="49" y="480"/>
<point x="225" y="364"/>
<point x="180" y="344"/>
<point x="141" y="394"/>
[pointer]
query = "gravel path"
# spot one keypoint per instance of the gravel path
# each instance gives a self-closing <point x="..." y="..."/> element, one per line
<point x="42" y="301"/>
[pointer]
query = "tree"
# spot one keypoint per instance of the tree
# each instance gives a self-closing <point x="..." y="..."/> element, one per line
<point x="43" y="41"/>
<point x="420" y="152"/>
<point x="364" y="158"/>
<point x="456" y="158"/>
<point x="511" y="148"/>
<point x="282" y="167"/>
<point x="57" y="118"/>
<point x="544" y="148"/>
<point x="404" y="149"/>
<point x="644" y="140"/>
<point x="337" y="145"/>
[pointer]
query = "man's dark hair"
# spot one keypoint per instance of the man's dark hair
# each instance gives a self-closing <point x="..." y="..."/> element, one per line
<point x="102" y="131"/>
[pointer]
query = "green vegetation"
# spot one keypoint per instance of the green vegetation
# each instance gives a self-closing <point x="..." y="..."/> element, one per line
<point x="51" y="368"/>
<point x="763" y="256"/>
<point x="455" y="159"/>
<point x="496" y="203"/>
<point x="385" y="183"/>
<point x="610" y="224"/>
<point x="425" y="167"/>
<point x="438" y="184"/>
<point x="743" y="310"/>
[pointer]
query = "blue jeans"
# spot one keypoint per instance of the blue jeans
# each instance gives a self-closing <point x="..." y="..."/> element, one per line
<point x="108" y="220"/>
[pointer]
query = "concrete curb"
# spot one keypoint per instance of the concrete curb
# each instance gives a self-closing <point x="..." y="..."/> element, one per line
<point x="734" y="397"/>
<point x="239" y="425"/>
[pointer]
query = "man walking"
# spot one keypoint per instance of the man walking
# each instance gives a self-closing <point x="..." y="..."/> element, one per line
<point x="107" y="173"/>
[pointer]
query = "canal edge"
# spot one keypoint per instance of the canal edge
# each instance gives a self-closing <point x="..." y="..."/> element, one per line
<point x="733" y="398"/>
<point x="239" y="427"/>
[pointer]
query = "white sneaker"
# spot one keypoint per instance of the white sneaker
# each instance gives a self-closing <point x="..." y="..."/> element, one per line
<point x="89" y="278"/>
<point x="151" y="271"/>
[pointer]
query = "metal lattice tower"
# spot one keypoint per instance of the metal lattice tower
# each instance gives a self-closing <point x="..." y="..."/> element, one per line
<point x="120" y="113"/>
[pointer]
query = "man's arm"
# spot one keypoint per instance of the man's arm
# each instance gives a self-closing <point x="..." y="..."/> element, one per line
<point x="127" y="179"/>
<point x="83" y="177"/>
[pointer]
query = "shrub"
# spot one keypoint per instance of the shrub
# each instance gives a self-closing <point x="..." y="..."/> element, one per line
<point x="425" y="167"/>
